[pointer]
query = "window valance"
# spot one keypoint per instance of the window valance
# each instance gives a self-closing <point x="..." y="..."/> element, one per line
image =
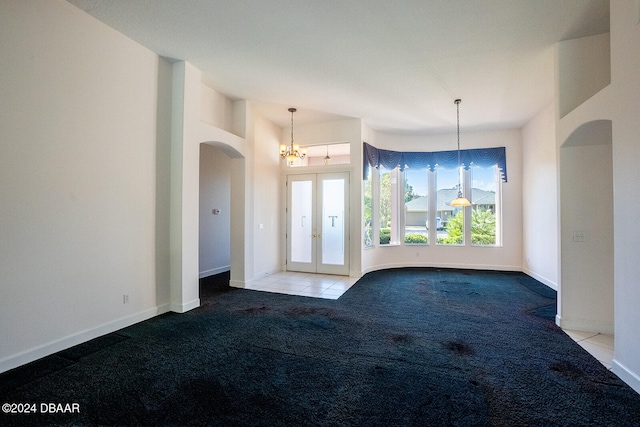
<point x="484" y="157"/>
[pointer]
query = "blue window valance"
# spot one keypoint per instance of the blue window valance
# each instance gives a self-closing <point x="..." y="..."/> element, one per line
<point x="483" y="157"/>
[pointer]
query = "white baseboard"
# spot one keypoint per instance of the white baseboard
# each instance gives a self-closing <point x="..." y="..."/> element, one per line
<point x="238" y="284"/>
<point x="265" y="273"/>
<point x="78" y="338"/>
<point x="214" y="271"/>
<point x="585" y="325"/>
<point x="626" y="375"/>
<point x="256" y="277"/>
<point x="184" y="307"/>
<point x="553" y="285"/>
<point x="441" y="265"/>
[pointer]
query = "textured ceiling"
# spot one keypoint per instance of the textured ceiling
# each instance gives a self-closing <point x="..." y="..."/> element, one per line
<point x="397" y="65"/>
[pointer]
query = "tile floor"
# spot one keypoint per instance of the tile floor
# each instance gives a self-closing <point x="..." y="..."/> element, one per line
<point x="327" y="286"/>
<point x="598" y="345"/>
<point x="305" y="284"/>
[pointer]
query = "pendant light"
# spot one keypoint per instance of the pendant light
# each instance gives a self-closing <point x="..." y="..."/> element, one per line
<point x="460" y="201"/>
<point x="292" y="152"/>
<point x="327" y="159"/>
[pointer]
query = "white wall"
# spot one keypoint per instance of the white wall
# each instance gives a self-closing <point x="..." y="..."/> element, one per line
<point x="215" y="228"/>
<point x="79" y="138"/>
<point x="583" y="70"/>
<point x="540" y="198"/>
<point x="507" y="257"/>
<point x="625" y="63"/>
<point x="267" y="193"/>
<point x="619" y="102"/>
<point x="216" y="109"/>
<point x="188" y="131"/>
<point x="586" y="185"/>
<point x="584" y="141"/>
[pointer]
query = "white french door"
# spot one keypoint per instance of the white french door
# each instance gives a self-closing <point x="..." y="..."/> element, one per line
<point x="317" y="223"/>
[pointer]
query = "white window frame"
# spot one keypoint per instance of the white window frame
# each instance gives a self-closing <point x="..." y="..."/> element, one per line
<point x="398" y="218"/>
<point x="497" y="209"/>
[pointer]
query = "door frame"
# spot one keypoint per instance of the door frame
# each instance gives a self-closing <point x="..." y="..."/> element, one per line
<point x="316" y="265"/>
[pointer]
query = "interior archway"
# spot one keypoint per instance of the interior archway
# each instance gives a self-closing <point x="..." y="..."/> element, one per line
<point x="236" y="207"/>
<point x="585" y="299"/>
<point x="214" y="237"/>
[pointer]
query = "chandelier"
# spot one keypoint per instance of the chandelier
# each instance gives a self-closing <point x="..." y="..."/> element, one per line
<point x="460" y="201"/>
<point x="292" y="152"/>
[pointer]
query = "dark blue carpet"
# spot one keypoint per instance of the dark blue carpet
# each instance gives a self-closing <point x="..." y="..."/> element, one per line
<point x="406" y="347"/>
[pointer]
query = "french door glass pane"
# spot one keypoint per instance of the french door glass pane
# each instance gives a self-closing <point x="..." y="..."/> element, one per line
<point x="333" y="221"/>
<point x="301" y="217"/>
<point x="450" y="219"/>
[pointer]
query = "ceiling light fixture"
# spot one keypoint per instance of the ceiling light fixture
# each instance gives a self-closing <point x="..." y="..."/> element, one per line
<point x="293" y="152"/>
<point x="327" y="159"/>
<point x="460" y="201"/>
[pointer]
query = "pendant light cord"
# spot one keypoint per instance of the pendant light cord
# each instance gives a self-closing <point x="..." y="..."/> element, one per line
<point x="292" y="111"/>
<point x="457" y="101"/>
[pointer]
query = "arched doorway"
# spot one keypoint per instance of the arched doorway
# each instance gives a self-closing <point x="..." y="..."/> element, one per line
<point x="184" y="270"/>
<point x="585" y="299"/>
<point x="214" y="237"/>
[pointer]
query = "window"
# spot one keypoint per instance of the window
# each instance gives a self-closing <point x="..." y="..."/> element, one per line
<point x="425" y="188"/>
<point x="416" y="206"/>
<point x="326" y="154"/>
<point x="486" y="200"/>
<point x="388" y="206"/>
<point x="449" y="219"/>
<point x="368" y="211"/>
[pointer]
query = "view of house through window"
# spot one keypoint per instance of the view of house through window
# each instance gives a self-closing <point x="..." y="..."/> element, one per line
<point x="449" y="219"/>
<point x="416" y="206"/>
<point x="410" y="190"/>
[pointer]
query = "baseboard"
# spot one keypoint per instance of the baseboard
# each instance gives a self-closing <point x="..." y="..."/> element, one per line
<point x="553" y="285"/>
<point x="256" y="277"/>
<point x="183" y="308"/>
<point x="214" y="271"/>
<point x="238" y="284"/>
<point x="78" y="338"/>
<point x="265" y="273"/>
<point x="585" y="325"/>
<point x="442" y="265"/>
<point x="626" y="375"/>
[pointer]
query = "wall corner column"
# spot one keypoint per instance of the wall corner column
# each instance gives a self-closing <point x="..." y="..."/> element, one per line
<point x="184" y="282"/>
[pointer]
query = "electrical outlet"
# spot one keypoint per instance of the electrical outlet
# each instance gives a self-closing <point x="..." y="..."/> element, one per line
<point x="125" y="299"/>
<point x="578" y="236"/>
